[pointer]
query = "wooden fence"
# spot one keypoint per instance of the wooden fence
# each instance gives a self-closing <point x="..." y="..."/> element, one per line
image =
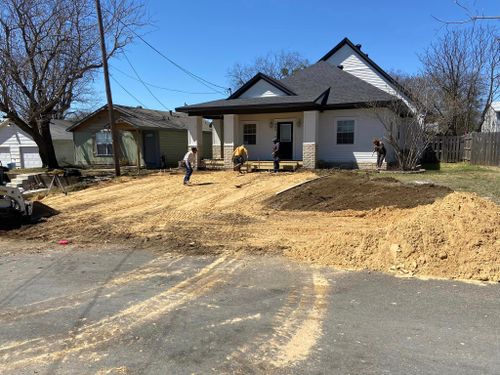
<point x="482" y="148"/>
<point x="476" y="148"/>
<point x="447" y="149"/>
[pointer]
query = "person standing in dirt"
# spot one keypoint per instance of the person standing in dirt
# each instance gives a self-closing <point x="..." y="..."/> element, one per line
<point x="240" y="155"/>
<point x="189" y="160"/>
<point x="276" y="154"/>
<point x="379" y="148"/>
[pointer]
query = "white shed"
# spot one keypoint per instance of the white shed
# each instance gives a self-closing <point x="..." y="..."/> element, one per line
<point x="19" y="149"/>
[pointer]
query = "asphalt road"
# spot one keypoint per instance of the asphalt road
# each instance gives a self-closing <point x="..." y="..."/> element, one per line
<point x="71" y="311"/>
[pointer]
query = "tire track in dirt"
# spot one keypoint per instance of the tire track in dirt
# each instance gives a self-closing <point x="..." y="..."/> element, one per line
<point x="297" y="329"/>
<point x="156" y="268"/>
<point x="109" y="211"/>
<point x="51" y="349"/>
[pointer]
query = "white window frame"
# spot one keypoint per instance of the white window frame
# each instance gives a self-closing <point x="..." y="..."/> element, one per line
<point x="96" y="148"/>
<point x="244" y="125"/>
<point x="353" y="130"/>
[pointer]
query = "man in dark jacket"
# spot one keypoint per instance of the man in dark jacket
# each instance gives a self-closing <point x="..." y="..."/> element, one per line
<point x="379" y="148"/>
<point x="276" y="154"/>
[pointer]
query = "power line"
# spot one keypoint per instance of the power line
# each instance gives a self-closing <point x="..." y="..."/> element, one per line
<point x="201" y="80"/>
<point x="204" y="82"/>
<point x="161" y="87"/>
<point x="146" y="86"/>
<point x="128" y="92"/>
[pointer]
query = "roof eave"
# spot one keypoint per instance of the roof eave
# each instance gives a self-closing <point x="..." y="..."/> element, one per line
<point x="282" y="107"/>
<point x="246" y="109"/>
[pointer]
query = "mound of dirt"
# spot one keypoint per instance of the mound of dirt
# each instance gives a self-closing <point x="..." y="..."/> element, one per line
<point x="455" y="237"/>
<point x="343" y="191"/>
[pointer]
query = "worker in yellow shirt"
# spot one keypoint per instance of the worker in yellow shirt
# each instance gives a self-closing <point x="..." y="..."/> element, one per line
<point x="240" y="155"/>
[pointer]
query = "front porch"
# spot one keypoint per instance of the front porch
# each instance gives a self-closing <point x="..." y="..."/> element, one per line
<point x="297" y="132"/>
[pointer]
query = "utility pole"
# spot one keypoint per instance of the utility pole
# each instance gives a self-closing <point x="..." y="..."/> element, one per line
<point x="114" y="133"/>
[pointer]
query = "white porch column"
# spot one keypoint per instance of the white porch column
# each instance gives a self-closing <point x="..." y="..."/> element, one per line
<point x="230" y="133"/>
<point x="217" y="139"/>
<point x="310" y="147"/>
<point x="195" y="136"/>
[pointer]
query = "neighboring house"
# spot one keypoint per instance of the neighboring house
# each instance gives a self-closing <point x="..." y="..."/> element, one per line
<point x="145" y="135"/>
<point x="324" y="113"/>
<point x="18" y="148"/>
<point x="492" y="119"/>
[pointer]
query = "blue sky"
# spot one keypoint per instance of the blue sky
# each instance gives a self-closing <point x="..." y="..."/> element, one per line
<point x="207" y="37"/>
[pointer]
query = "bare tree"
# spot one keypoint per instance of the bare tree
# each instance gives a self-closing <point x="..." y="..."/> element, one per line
<point x="464" y="69"/>
<point x="277" y="65"/>
<point x="409" y="121"/>
<point x="470" y="15"/>
<point x="49" y="56"/>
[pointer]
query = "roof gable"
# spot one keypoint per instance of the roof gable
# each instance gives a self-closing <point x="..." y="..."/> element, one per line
<point x="261" y="86"/>
<point x="357" y="63"/>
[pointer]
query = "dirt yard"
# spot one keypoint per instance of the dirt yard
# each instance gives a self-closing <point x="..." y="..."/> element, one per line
<point x="345" y="219"/>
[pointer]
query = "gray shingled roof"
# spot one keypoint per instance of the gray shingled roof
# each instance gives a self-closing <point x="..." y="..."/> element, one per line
<point x="344" y="87"/>
<point x="309" y="84"/>
<point x="151" y="119"/>
<point x="143" y="118"/>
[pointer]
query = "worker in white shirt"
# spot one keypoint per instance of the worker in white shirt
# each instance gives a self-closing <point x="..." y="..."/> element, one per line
<point x="189" y="160"/>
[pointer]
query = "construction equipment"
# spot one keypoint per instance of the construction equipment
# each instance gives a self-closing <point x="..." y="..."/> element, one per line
<point x="13" y="206"/>
<point x="15" y="209"/>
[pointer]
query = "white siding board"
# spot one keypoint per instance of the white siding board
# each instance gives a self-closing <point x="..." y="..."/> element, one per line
<point x="30" y="158"/>
<point x="266" y="131"/>
<point x="262" y="89"/>
<point x="366" y="128"/>
<point x="5" y="157"/>
<point x="20" y="143"/>
<point x="13" y="138"/>
<point x="356" y="66"/>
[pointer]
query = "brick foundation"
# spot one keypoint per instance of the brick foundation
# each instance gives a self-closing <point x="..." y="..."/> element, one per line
<point x="216" y="151"/>
<point x="228" y="156"/>
<point x="309" y="155"/>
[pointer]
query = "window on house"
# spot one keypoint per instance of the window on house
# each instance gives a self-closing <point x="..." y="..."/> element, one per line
<point x="249" y="134"/>
<point x="103" y="142"/>
<point x="345" y="132"/>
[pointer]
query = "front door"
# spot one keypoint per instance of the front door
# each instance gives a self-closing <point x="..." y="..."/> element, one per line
<point x="151" y="152"/>
<point x="285" y="135"/>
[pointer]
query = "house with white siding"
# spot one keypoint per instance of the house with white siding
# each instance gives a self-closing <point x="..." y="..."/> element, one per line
<point x="492" y="119"/>
<point x="19" y="150"/>
<point x="322" y="115"/>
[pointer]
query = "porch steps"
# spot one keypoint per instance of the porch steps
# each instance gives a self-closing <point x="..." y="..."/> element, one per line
<point x="286" y="165"/>
<point x="267" y="165"/>
<point x="255" y="165"/>
<point x="213" y="164"/>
